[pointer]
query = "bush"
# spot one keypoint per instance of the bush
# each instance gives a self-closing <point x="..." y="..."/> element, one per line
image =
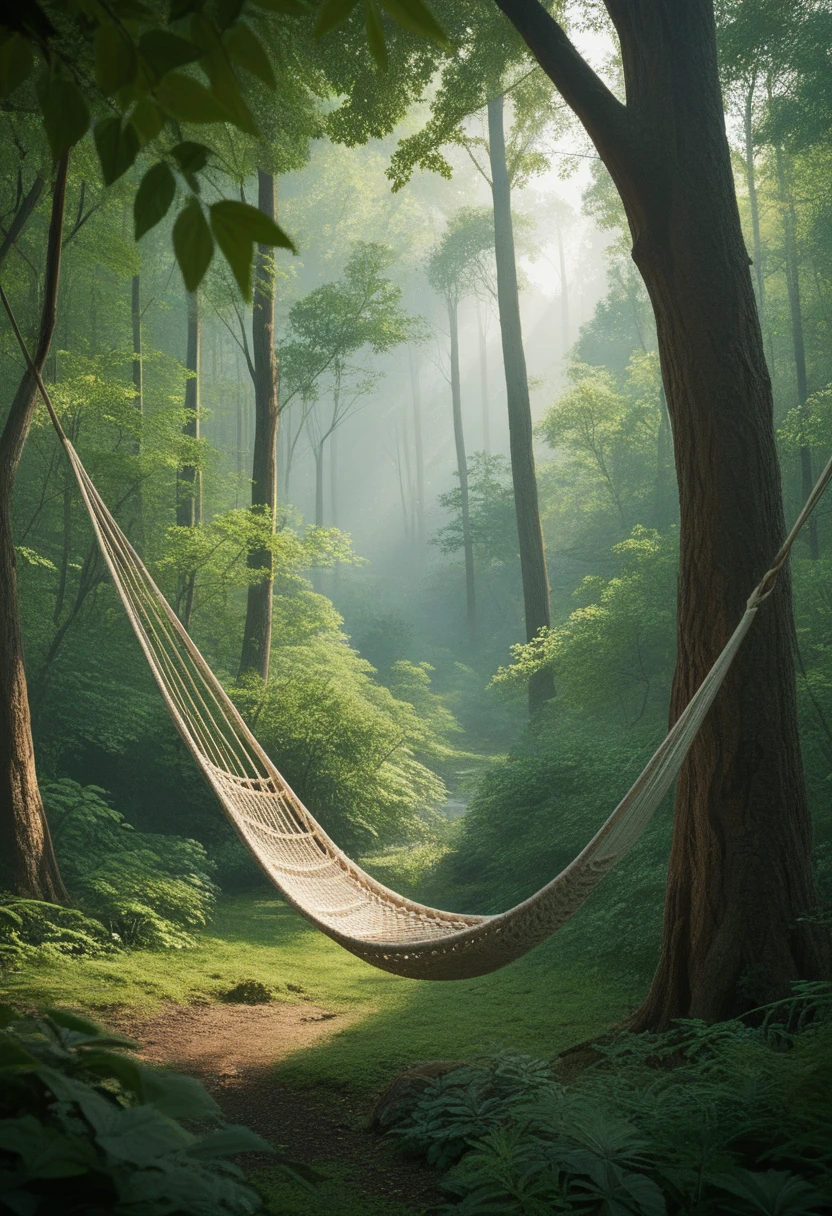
<point x="84" y="1128"/>
<point x="150" y="891"/>
<point x="32" y="926"/>
<point x="704" y="1119"/>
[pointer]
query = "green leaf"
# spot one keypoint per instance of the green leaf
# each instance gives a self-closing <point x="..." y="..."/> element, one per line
<point x="71" y="1021"/>
<point x="245" y="48"/>
<point x="178" y="1096"/>
<point x="153" y="198"/>
<point x="415" y="16"/>
<point x="13" y="1055"/>
<point x="192" y="244"/>
<point x="190" y="101"/>
<point x="375" y="33"/>
<point x="190" y="156"/>
<point x="148" y="120"/>
<point x="332" y="13"/>
<point x="142" y="1135"/>
<point x="236" y="227"/>
<point x="228" y="12"/>
<point x="227" y="1141"/>
<point x="181" y="8"/>
<point x="16" y="63"/>
<point x="117" y="147"/>
<point x="66" y="115"/>
<point x="123" y="1069"/>
<point x="115" y="57"/>
<point x="163" y="51"/>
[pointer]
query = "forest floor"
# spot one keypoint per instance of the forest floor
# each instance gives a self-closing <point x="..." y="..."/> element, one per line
<point x="305" y="1068"/>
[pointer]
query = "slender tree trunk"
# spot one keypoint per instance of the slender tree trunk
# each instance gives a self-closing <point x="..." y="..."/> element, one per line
<point x="798" y="345"/>
<point x="333" y="480"/>
<point x="257" y="635"/>
<point x="739" y="922"/>
<point x="27" y="860"/>
<point x="462" y="472"/>
<point x="319" y="483"/>
<point x="533" y="572"/>
<point x="415" y="389"/>
<point x="188" y="496"/>
<point x="564" y="293"/>
<point x="486" y="412"/>
<point x="138" y="387"/>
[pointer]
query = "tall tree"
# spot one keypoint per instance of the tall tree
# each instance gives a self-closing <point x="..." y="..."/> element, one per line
<point x="27" y="858"/>
<point x="257" y="634"/>
<point x="189" y="476"/>
<point x="533" y="571"/>
<point x="738" y="924"/>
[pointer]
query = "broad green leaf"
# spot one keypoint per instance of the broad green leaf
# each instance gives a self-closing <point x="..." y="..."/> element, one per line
<point x="164" y="52"/>
<point x="332" y="13"/>
<point x="190" y="101"/>
<point x="375" y="33"/>
<point x="142" y="1135"/>
<point x="153" y="198"/>
<point x="178" y="1096"/>
<point x="245" y="48"/>
<point x="115" y="57"/>
<point x="71" y="1021"/>
<point x="227" y="1141"/>
<point x="191" y="157"/>
<point x="16" y="63"/>
<point x="192" y="244"/>
<point x="236" y="227"/>
<point x="13" y="1055"/>
<point x="148" y="120"/>
<point x="117" y="147"/>
<point x="227" y="91"/>
<point x="121" y="1068"/>
<point x="415" y="16"/>
<point x="66" y="115"/>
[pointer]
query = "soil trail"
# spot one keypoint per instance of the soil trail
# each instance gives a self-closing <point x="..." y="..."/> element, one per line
<point x="233" y="1050"/>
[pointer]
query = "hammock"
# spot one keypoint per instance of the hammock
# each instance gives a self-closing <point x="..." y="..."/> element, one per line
<point x="309" y="870"/>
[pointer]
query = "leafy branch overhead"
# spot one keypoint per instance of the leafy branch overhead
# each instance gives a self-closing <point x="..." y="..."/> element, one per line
<point x="138" y="80"/>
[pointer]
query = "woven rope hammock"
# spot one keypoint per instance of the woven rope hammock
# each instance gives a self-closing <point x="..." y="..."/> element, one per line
<point x="310" y="871"/>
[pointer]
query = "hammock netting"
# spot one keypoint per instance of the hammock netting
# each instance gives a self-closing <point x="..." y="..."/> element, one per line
<point x="306" y="866"/>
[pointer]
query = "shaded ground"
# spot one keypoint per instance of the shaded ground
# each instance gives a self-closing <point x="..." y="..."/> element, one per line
<point x="234" y="1049"/>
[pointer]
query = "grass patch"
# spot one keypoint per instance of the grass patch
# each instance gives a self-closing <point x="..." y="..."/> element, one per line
<point x="342" y="1191"/>
<point x="538" y="1005"/>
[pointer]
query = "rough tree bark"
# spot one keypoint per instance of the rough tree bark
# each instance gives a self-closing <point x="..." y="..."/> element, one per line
<point x="462" y="470"/>
<point x="533" y="571"/>
<point x="738" y="925"/>
<point x="789" y="218"/>
<point x="27" y="860"/>
<point x="257" y="634"/>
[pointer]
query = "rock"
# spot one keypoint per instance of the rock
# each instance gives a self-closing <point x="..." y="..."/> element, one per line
<point x="403" y="1091"/>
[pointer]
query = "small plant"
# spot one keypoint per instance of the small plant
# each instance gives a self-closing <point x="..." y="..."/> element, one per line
<point x="30" y="927"/>
<point x="249" y="992"/>
<point x="85" y="1128"/>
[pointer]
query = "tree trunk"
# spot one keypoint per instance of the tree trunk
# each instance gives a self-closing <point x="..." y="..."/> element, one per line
<point x="739" y="925"/>
<point x="462" y="472"/>
<point x="418" y="452"/>
<point x="257" y="635"/>
<point x="188" y="489"/>
<point x="138" y="388"/>
<point x="319" y="484"/>
<point x="486" y="413"/>
<point x="798" y="345"/>
<point x="533" y="572"/>
<point x="564" y="294"/>
<point x="28" y="866"/>
<point x="753" y="204"/>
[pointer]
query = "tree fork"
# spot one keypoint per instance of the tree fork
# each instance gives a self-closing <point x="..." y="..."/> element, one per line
<point x="738" y="926"/>
<point x="29" y="865"/>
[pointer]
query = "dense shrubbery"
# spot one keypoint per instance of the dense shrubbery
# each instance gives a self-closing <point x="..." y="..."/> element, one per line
<point x="86" y="1128"/>
<point x="132" y="888"/>
<point x="705" y="1119"/>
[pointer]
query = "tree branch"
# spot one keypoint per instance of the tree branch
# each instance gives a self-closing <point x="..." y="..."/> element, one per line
<point x="606" y="120"/>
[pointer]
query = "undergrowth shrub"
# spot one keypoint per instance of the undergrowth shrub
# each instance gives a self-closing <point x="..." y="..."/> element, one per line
<point x="149" y="890"/>
<point x="85" y="1128"/>
<point x="704" y="1119"/>
<point x="33" y="926"/>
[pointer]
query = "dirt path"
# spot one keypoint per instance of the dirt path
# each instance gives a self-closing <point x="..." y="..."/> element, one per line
<point x="233" y="1050"/>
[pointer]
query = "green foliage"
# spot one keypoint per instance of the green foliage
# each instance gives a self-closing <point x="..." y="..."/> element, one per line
<point x="702" y="1119"/>
<point x="150" y="891"/>
<point x="85" y="1127"/>
<point x="34" y="929"/>
<point x="461" y="260"/>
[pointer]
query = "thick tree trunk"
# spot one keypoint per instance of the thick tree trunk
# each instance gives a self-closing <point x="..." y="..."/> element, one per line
<point x="738" y="924"/>
<point x="798" y="344"/>
<point x="257" y="635"/>
<point x="462" y="473"/>
<point x="533" y="571"/>
<point x="27" y="860"/>
<point x="138" y="388"/>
